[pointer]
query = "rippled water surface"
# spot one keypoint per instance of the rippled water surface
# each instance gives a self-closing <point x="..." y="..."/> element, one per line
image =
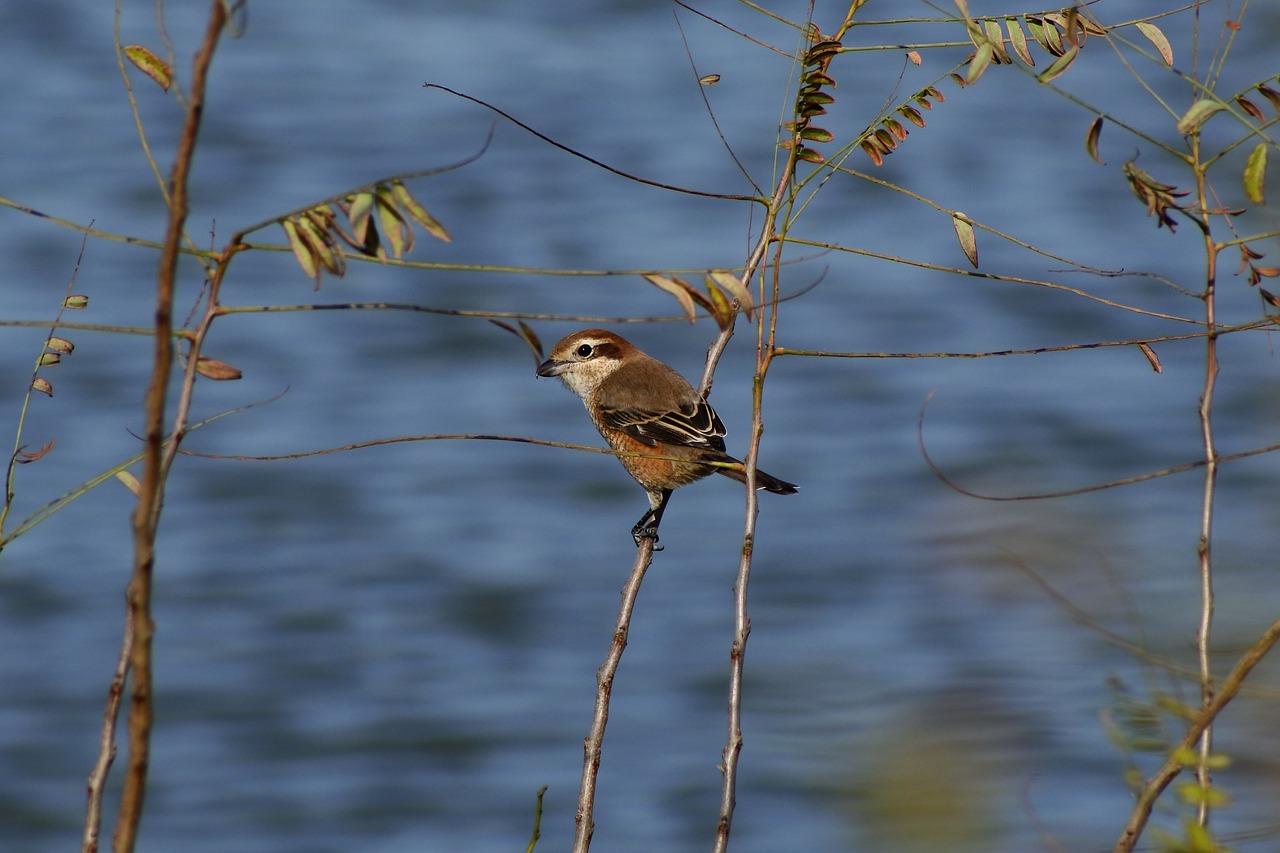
<point x="393" y="649"/>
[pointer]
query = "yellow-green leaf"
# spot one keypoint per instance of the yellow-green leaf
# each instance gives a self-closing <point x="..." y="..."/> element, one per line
<point x="1255" y="174"/>
<point x="61" y="345"/>
<point x="1091" y="140"/>
<point x="981" y="59"/>
<point x="76" y="302"/>
<point x="1061" y="64"/>
<point x="964" y="233"/>
<point x="709" y="79"/>
<point x="733" y="285"/>
<point x="302" y="251"/>
<point x="1019" y="40"/>
<point x="419" y="214"/>
<point x="1199" y="113"/>
<point x="49" y="359"/>
<point x="42" y="385"/>
<point x="1153" y="34"/>
<point x="130" y="482"/>
<point x="359" y="212"/>
<point x="149" y="64"/>
<point x="395" y="228"/>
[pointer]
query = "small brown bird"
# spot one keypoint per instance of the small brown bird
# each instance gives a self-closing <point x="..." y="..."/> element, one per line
<point x="642" y="406"/>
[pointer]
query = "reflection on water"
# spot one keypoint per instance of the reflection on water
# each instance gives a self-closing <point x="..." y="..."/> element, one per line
<point x="393" y="649"/>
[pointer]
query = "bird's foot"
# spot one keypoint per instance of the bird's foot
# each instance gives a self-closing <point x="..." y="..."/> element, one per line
<point x="642" y="531"/>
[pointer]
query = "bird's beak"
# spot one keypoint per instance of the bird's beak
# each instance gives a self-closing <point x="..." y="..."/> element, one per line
<point x="551" y="367"/>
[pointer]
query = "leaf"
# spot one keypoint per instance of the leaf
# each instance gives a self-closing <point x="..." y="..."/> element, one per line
<point x="677" y="288"/>
<point x="524" y="333"/>
<point x="1198" y="115"/>
<point x="25" y="457"/>
<point x="61" y="345"/>
<point x="964" y="233"/>
<point x="914" y="56"/>
<point x="709" y="79"/>
<point x="130" y="482"/>
<point x="1151" y="357"/>
<point x="1091" y="140"/>
<point x="1153" y="34"/>
<point x="418" y="213"/>
<point x="49" y="359"/>
<point x="301" y="248"/>
<point x="895" y="127"/>
<point x="1061" y="64"/>
<point x="149" y="64"/>
<point x="872" y="151"/>
<point x="808" y="155"/>
<point x="76" y="302"/>
<point x="721" y="308"/>
<point x="1255" y="174"/>
<point x="912" y="115"/>
<point x="211" y="368"/>
<point x="42" y="385"/>
<point x="733" y="285"/>
<point x="1250" y="107"/>
<point x="1272" y="96"/>
<point x="359" y="213"/>
<point x="996" y="37"/>
<point x="395" y="228"/>
<point x="817" y="134"/>
<point x="1019" y="40"/>
<point x="981" y="59"/>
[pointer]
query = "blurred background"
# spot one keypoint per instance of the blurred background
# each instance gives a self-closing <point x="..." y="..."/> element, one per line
<point x="392" y="649"/>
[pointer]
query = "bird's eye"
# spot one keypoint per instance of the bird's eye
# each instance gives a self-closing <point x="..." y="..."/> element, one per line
<point x="583" y="350"/>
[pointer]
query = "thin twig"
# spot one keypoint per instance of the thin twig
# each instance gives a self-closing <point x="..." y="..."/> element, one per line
<point x="146" y="516"/>
<point x="107" y="742"/>
<point x="585" y="824"/>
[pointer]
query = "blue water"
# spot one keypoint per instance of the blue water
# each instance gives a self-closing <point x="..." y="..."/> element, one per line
<point x="393" y="649"/>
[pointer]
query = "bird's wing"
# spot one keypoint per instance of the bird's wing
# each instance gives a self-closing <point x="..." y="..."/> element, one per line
<point x="694" y="424"/>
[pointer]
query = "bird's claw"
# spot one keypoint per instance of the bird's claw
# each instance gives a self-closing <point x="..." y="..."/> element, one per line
<point x="640" y="533"/>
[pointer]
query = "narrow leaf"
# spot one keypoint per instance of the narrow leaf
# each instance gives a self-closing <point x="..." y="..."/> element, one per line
<point x="733" y="285"/>
<point x="676" y="288"/>
<point x="872" y="151"/>
<point x="996" y="37"/>
<point x="1061" y="64"/>
<point x="211" y="368"/>
<point x="964" y="233"/>
<point x="721" y="308"/>
<point x="1250" y="107"/>
<point x="1153" y="34"/>
<point x="1151" y="357"/>
<point x="981" y="59"/>
<point x="302" y="251"/>
<point x="1255" y="174"/>
<point x="130" y="482"/>
<point x="359" y="212"/>
<point x="709" y="79"/>
<point x="149" y="64"/>
<point x="1019" y="40"/>
<point x="395" y="228"/>
<point x="1197" y="115"/>
<point x="419" y="214"/>
<point x="1272" y="96"/>
<point x="1091" y="140"/>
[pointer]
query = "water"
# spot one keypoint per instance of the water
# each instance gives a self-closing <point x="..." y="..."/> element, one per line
<point x="392" y="649"/>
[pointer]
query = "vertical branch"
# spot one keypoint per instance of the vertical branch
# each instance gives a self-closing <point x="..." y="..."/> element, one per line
<point x="585" y="824"/>
<point x="146" y="515"/>
<point x="107" y="741"/>
<point x="741" y="619"/>
<point x="1205" y="411"/>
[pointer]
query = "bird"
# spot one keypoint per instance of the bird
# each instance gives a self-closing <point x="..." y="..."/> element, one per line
<point x="642" y="406"/>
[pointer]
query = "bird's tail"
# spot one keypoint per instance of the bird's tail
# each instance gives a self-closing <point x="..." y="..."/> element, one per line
<point x="768" y="482"/>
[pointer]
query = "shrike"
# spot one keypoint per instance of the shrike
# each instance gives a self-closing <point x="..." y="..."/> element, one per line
<point x="643" y="407"/>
